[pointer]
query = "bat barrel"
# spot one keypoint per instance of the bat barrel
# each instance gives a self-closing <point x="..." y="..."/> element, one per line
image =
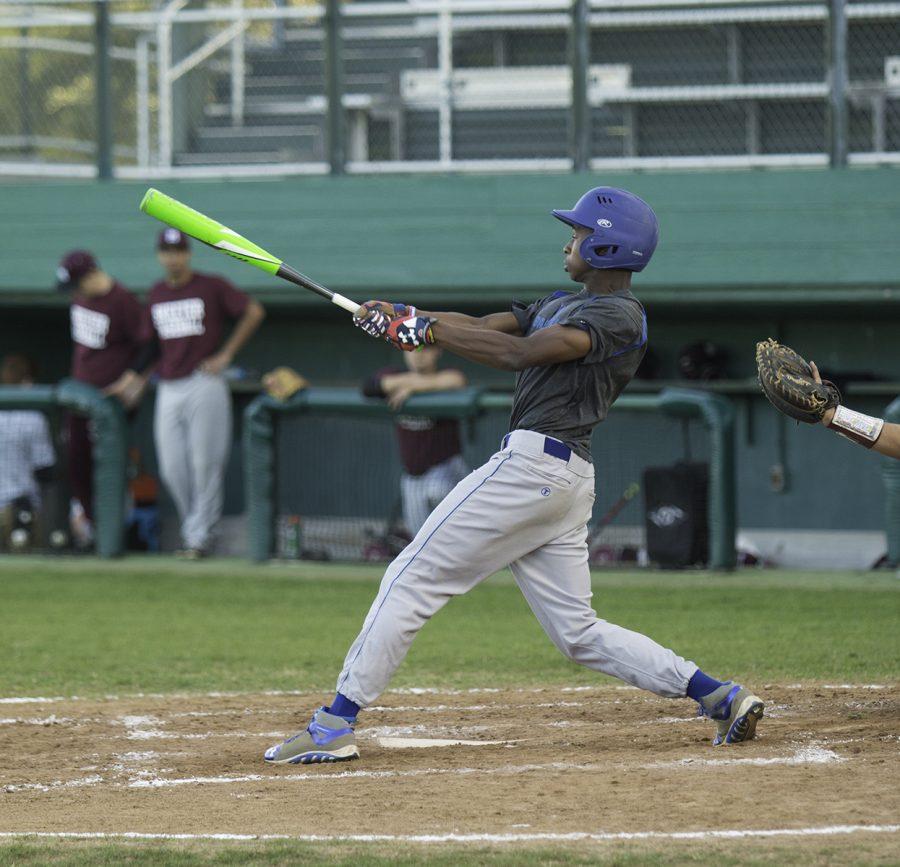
<point x="211" y="232"/>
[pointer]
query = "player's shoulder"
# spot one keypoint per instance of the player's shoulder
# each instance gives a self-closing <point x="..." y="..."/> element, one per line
<point x="618" y="311"/>
<point x="621" y="302"/>
<point x="120" y="292"/>
<point x="156" y="290"/>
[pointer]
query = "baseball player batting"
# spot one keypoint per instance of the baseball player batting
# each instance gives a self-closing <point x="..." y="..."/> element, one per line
<point x="528" y="507"/>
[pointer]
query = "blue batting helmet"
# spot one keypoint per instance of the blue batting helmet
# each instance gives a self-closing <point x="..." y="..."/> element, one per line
<point x="620" y="222"/>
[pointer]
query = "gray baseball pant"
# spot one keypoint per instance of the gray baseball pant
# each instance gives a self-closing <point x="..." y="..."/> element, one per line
<point x="421" y="494"/>
<point x="528" y="510"/>
<point x="192" y="428"/>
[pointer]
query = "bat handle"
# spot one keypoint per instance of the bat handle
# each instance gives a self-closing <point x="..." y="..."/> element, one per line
<point x="345" y="303"/>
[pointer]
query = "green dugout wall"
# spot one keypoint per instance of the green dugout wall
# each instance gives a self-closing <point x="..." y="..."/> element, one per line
<point x="473" y="237"/>
<point x="809" y="257"/>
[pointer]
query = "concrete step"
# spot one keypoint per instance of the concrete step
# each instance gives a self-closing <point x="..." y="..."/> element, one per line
<point x="286" y="139"/>
<point x="228" y="158"/>
<point x="302" y="85"/>
<point x="361" y="59"/>
<point x="276" y="112"/>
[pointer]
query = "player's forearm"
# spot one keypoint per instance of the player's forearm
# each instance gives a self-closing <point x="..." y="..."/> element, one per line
<point x="440" y="380"/>
<point x="504" y="322"/>
<point x="889" y="441"/>
<point x="860" y="428"/>
<point x="492" y="348"/>
<point x="244" y="329"/>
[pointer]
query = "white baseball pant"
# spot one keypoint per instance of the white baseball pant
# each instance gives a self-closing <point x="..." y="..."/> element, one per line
<point x="192" y="428"/>
<point x="528" y="510"/>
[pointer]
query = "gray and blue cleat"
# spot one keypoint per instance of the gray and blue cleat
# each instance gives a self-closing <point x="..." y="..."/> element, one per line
<point x="735" y="711"/>
<point x="328" y="738"/>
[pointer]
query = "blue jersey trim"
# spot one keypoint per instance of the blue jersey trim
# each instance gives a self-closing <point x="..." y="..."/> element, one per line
<point x="540" y="322"/>
<point x="411" y="560"/>
<point x="640" y="343"/>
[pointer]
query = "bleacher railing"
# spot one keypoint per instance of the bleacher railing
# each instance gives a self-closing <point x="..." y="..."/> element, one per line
<point x="166" y="88"/>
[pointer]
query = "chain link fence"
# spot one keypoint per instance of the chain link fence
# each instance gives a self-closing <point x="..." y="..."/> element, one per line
<point x="256" y="86"/>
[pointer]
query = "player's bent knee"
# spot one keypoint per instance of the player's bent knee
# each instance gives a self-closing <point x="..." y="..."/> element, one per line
<point x="581" y="640"/>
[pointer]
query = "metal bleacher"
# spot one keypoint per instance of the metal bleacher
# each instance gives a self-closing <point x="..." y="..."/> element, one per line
<point x="285" y="106"/>
<point x="716" y="83"/>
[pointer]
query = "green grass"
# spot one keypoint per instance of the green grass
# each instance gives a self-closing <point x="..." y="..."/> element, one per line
<point x="813" y="851"/>
<point x="87" y="627"/>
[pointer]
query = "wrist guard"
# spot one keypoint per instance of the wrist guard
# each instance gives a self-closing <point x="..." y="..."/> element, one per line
<point x="856" y="427"/>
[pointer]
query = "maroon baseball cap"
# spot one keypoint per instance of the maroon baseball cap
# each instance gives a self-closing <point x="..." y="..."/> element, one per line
<point x="74" y="265"/>
<point x="172" y="239"/>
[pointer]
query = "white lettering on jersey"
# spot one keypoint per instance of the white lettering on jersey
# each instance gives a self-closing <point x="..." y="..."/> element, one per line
<point x="89" y="328"/>
<point x="173" y="319"/>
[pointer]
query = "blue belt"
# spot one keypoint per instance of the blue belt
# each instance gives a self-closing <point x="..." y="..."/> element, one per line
<point x="552" y="447"/>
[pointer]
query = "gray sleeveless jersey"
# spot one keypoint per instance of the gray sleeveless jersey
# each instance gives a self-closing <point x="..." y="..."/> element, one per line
<point x="567" y="401"/>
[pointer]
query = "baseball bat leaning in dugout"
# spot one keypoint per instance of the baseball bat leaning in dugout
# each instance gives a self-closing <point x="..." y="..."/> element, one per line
<point x="219" y="237"/>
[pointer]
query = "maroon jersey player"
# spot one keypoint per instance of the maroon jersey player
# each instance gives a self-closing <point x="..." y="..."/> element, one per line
<point x="191" y="314"/>
<point x="109" y="328"/>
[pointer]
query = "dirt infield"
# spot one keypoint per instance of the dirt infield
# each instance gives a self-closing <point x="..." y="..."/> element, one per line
<point x="546" y="762"/>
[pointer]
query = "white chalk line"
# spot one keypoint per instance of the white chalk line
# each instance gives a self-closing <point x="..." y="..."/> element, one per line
<point x="410" y="690"/>
<point x="811" y="755"/>
<point x="137" y="731"/>
<point x="571" y="837"/>
<point x="360" y="775"/>
<point x="404" y="743"/>
<point x="149" y="779"/>
<point x="290" y="693"/>
<point x="58" y="784"/>
<point x="814" y="755"/>
<point x="853" y="686"/>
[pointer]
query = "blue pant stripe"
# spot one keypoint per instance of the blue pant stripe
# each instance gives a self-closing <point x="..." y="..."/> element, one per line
<point x="411" y="559"/>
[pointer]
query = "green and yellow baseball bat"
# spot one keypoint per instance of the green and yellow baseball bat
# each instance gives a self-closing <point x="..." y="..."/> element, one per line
<point x="211" y="232"/>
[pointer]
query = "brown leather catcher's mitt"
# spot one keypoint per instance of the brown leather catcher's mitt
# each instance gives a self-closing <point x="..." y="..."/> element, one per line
<point x="282" y="383"/>
<point x="788" y="381"/>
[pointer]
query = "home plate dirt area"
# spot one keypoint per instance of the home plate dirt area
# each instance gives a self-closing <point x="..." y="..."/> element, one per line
<point x="533" y="764"/>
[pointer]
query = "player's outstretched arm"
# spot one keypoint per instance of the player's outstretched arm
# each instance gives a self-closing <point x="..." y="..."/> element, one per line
<point x="888" y="442"/>
<point x="553" y="345"/>
<point x="505" y="322"/>
<point x="373" y="318"/>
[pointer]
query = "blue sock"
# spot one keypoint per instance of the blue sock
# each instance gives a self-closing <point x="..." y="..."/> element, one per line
<point x="701" y="685"/>
<point x="342" y="706"/>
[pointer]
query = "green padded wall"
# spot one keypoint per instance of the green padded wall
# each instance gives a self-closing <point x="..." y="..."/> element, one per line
<point x="465" y="236"/>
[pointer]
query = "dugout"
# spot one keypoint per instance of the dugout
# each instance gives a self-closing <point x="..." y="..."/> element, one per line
<point x="806" y="256"/>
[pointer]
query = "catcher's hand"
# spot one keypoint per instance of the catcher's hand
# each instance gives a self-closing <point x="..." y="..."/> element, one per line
<point x="791" y="385"/>
<point x="410" y="333"/>
<point x="282" y="383"/>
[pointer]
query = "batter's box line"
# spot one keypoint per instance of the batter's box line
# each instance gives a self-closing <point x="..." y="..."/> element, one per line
<point x="409" y="690"/>
<point x="549" y="837"/>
